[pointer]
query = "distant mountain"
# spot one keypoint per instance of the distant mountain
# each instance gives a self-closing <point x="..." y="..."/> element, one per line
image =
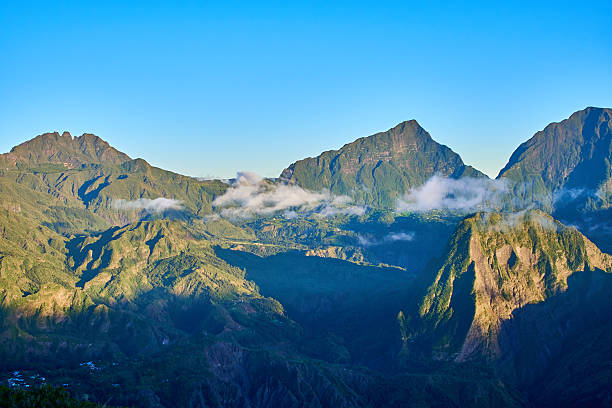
<point x="566" y="169"/>
<point x="566" y="160"/>
<point x="513" y="289"/>
<point x="65" y="150"/>
<point x="77" y="184"/>
<point x="377" y="169"/>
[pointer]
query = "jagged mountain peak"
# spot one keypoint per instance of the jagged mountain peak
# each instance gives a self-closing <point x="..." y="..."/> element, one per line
<point x="65" y="149"/>
<point x="405" y="135"/>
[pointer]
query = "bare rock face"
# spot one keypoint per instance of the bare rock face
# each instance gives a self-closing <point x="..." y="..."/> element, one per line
<point x="506" y="278"/>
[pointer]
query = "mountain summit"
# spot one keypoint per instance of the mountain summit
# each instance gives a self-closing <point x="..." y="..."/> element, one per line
<point x="377" y="169"/>
<point x="64" y="149"/>
<point x="566" y="169"/>
<point x="71" y="174"/>
<point x="574" y="154"/>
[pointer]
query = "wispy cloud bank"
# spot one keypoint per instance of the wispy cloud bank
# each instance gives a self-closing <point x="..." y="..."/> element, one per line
<point x="566" y="196"/>
<point x="602" y="227"/>
<point x="510" y="220"/>
<point x="367" y="240"/>
<point x="465" y="194"/>
<point x="569" y="194"/>
<point x="400" y="236"/>
<point x="251" y="195"/>
<point x="156" y="205"/>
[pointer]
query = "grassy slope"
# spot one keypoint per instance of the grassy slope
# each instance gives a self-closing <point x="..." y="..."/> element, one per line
<point x="71" y="184"/>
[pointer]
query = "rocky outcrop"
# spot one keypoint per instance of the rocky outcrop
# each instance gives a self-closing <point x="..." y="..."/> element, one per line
<point x="495" y="289"/>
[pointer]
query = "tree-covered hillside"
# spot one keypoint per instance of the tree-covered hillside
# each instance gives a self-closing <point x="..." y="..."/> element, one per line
<point x="376" y="170"/>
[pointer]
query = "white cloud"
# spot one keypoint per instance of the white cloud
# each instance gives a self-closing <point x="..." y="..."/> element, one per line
<point x="465" y="194"/>
<point x="366" y="240"/>
<point x="251" y="195"/>
<point x="400" y="236"/>
<point x="290" y="214"/>
<point x="331" y="210"/>
<point x="567" y="195"/>
<point x="151" y="206"/>
<point x="511" y="220"/>
<point x="604" y="227"/>
<point x="247" y="178"/>
<point x="211" y="217"/>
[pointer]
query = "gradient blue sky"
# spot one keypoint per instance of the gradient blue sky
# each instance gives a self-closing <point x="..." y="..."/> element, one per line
<point x="210" y="88"/>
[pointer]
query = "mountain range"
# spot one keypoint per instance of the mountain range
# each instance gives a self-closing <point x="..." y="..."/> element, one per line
<point x="384" y="273"/>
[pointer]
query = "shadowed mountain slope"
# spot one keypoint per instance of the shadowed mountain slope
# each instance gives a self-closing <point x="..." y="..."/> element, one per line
<point x="566" y="169"/>
<point x="168" y="322"/>
<point x="514" y="290"/>
<point x="572" y="154"/>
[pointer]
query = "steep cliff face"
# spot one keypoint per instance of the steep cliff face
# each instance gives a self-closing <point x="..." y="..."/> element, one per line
<point x="378" y="169"/>
<point x="499" y="270"/>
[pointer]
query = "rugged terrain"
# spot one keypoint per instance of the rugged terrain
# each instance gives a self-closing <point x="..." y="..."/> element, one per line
<point x="131" y="285"/>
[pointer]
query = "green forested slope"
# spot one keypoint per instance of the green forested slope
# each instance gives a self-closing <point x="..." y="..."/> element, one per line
<point x="378" y="169"/>
<point x="74" y="185"/>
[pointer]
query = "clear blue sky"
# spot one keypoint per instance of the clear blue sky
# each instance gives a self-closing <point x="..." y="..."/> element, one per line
<point x="210" y="88"/>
